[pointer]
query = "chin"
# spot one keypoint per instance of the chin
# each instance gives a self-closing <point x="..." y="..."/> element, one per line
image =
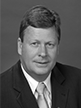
<point x="42" y="71"/>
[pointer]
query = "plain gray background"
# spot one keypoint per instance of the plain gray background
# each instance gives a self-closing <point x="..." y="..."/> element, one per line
<point x="70" y="14"/>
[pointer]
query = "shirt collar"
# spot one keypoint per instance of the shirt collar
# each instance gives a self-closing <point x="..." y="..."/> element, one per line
<point x="33" y="83"/>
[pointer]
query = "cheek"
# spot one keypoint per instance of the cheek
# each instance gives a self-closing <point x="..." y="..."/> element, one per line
<point x="53" y="54"/>
<point x="28" y="52"/>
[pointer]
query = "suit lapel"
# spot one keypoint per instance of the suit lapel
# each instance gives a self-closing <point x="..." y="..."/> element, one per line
<point x="22" y="90"/>
<point x="59" y="92"/>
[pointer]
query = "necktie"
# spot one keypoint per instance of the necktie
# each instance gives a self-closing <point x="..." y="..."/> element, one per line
<point x="42" y="101"/>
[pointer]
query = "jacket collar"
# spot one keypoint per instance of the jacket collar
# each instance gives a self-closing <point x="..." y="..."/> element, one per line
<point x="59" y="91"/>
<point x="22" y="90"/>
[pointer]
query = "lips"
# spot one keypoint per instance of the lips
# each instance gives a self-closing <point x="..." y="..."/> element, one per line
<point x="42" y="64"/>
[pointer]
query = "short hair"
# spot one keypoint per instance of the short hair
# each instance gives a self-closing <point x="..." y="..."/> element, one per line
<point x="40" y="17"/>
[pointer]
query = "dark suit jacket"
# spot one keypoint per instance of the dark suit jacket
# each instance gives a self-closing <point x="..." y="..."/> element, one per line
<point x="66" y="88"/>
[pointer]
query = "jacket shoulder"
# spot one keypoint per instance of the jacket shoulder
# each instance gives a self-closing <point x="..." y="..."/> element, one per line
<point x="68" y="70"/>
<point x="6" y="76"/>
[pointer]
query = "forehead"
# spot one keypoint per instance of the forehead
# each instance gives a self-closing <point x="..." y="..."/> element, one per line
<point x="46" y="34"/>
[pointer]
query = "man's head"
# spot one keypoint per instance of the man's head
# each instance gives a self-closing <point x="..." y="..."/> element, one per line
<point x="38" y="41"/>
<point x="40" y="17"/>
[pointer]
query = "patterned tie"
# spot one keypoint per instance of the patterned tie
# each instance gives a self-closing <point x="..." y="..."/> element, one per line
<point x="42" y="101"/>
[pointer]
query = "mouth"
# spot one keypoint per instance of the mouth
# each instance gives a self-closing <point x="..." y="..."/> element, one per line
<point x="42" y="64"/>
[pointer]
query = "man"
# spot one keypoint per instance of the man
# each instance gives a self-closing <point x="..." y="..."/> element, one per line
<point x="38" y="47"/>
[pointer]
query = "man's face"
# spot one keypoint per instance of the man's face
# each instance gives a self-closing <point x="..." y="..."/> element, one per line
<point x="38" y="51"/>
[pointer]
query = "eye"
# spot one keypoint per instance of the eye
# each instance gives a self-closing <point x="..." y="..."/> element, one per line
<point x="50" y="45"/>
<point x="35" y="44"/>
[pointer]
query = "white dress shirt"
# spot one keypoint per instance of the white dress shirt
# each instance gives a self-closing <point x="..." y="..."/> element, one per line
<point x="33" y="84"/>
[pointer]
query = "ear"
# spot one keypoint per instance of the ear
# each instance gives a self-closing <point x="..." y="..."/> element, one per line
<point x="19" y="45"/>
<point x="58" y="49"/>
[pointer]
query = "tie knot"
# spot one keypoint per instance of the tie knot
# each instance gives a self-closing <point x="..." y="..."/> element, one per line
<point x="40" y="88"/>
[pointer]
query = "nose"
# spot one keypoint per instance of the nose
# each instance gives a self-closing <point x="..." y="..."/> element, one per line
<point x="42" y="51"/>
